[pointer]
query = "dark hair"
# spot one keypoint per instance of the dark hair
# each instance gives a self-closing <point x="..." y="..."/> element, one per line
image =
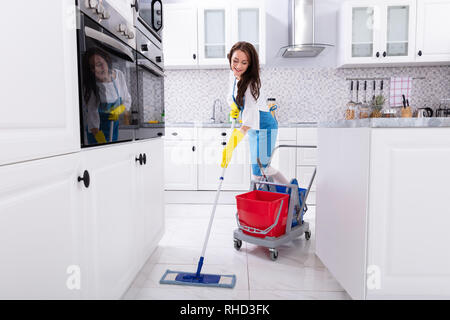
<point x="88" y="76"/>
<point x="251" y="75"/>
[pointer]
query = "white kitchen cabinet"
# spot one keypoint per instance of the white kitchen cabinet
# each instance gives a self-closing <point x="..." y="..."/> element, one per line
<point x="398" y="32"/>
<point x="284" y="159"/>
<point x="41" y="227"/>
<point x="201" y="35"/>
<point x="381" y="222"/>
<point x="180" y="170"/>
<point x="214" y="33"/>
<point x="307" y="160"/>
<point x="180" y="35"/>
<point x="150" y="197"/>
<point x="433" y="36"/>
<point x="111" y="207"/>
<point x="40" y="115"/>
<point x="210" y="147"/>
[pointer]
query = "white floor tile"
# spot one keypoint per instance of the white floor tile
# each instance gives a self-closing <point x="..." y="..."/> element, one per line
<point x="297" y="273"/>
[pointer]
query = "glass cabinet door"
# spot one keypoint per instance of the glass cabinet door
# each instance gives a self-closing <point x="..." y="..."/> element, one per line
<point x="248" y="26"/>
<point x="397" y="30"/>
<point x="362" y="32"/>
<point x="214" y="31"/>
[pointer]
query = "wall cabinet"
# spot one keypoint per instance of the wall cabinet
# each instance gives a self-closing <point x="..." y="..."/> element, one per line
<point x="202" y="35"/>
<point x="392" y="32"/>
<point x="40" y="105"/>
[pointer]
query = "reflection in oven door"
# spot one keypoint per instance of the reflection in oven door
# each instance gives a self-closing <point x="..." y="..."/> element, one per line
<point x="151" y="99"/>
<point x="108" y="86"/>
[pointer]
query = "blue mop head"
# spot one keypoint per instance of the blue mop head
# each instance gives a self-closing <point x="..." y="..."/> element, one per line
<point x="205" y="280"/>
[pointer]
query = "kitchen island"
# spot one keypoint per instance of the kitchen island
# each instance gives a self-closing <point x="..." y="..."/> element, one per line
<point x="383" y="214"/>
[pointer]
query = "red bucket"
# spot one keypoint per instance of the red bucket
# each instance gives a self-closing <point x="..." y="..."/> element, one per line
<point x="259" y="209"/>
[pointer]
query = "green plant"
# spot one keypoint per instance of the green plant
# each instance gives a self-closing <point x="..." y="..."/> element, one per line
<point x="379" y="100"/>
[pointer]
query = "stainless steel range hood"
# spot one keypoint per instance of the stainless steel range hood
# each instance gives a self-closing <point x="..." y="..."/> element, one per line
<point x="301" y="31"/>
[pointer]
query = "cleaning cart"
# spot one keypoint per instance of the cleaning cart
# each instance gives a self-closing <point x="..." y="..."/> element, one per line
<point x="271" y="214"/>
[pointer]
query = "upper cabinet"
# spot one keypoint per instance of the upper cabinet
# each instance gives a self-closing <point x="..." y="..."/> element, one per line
<point x="392" y="32"/>
<point x="433" y="30"/>
<point x="202" y="35"/>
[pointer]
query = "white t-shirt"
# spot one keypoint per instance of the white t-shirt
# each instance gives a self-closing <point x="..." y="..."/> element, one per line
<point x="250" y="115"/>
<point x="107" y="94"/>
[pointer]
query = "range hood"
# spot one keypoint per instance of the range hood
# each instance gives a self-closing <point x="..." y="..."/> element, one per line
<point x="301" y="31"/>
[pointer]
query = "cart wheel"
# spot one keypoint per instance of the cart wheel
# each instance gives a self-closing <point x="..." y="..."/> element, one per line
<point x="307" y="235"/>
<point x="237" y="244"/>
<point x="273" y="254"/>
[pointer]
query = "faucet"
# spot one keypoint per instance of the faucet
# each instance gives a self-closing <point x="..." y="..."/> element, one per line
<point x="217" y="101"/>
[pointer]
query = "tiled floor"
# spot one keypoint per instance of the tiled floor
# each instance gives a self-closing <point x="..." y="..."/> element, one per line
<point x="297" y="273"/>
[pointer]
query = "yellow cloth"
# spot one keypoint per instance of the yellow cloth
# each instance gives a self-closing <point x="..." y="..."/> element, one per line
<point x="116" y="112"/>
<point x="234" y="113"/>
<point x="100" y="137"/>
<point x="235" y="138"/>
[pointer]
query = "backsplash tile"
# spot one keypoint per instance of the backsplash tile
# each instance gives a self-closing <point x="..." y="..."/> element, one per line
<point x="303" y="94"/>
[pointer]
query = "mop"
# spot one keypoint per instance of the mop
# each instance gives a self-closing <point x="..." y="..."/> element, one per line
<point x="198" y="278"/>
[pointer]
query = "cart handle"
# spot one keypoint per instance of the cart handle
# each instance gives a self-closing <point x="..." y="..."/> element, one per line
<point x="259" y="231"/>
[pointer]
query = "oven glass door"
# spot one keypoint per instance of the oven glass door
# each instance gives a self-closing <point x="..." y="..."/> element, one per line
<point x="108" y="86"/>
<point x="151" y="98"/>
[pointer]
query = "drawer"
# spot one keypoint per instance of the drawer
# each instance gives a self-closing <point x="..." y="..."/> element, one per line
<point x="307" y="136"/>
<point x="287" y="134"/>
<point x="180" y="133"/>
<point x="215" y="134"/>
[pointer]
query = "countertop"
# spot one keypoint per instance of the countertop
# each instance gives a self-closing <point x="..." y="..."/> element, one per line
<point x="227" y="125"/>
<point x="388" y="123"/>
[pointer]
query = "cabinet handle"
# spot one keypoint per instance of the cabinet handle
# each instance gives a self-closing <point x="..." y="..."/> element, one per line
<point x="224" y="133"/>
<point x="140" y="159"/>
<point x="384" y="54"/>
<point x="224" y="143"/>
<point x="420" y="53"/>
<point x="86" y="179"/>
<point x="377" y="54"/>
<point x="174" y="133"/>
<point x="194" y="56"/>
<point x="193" y="148"/>
<point x="144" y="158"/>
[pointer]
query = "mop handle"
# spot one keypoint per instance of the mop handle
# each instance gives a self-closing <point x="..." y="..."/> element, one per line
<point x="215" y="203"/>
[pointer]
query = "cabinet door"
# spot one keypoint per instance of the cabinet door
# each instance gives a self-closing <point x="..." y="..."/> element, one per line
<point x="237" y="175"/>
<point x="150" y="193"/>
<point x="40" y="94"/>
<point x="248" y="24"/>
<point x="408" y="232"/>
<point x="214" y="34"/>
<point x="398" y="32"/>
<point x="433" y="36"/>
<point x="180" y="169"/>
<point x="180" y="35"/>
<point x="111" y="215"/>
<point x="360" y="24"/>
<point x="40" y="230"/>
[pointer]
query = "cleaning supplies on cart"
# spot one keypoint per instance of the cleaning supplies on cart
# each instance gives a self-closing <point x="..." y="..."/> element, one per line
<point x="272" y="105"/>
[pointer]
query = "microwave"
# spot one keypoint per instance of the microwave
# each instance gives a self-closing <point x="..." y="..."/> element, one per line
<point x="148" y="16"/>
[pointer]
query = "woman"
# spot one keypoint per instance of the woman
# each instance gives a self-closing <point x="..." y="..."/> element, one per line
<point x="257" y="120"/>
<point x="106" y="96"/>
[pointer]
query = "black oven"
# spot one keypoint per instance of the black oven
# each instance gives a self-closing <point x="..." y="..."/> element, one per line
<point x="150" y="74"/>
<point x="112" y="83"/>
<point x="149" y="16"/>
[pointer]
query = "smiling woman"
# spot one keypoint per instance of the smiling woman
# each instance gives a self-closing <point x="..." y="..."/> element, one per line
<point x="245" y="97"/>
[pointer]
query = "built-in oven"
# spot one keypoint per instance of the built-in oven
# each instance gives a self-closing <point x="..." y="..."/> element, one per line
<point x="148" y="15"/>
<point x="150" y="79"/>
<point x="107" y="75"/>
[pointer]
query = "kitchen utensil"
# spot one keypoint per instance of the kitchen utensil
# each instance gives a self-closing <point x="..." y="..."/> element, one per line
<point x="364" y="110"/>
<point x="373" y="91"/>
<point x="424" y="112"/>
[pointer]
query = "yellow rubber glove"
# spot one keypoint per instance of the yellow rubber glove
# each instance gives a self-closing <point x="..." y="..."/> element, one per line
<point x="234" y="113"/>
<point x="235" y="138"/>
<point x="100" y="137"/>
<point x="116" y="112"/>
